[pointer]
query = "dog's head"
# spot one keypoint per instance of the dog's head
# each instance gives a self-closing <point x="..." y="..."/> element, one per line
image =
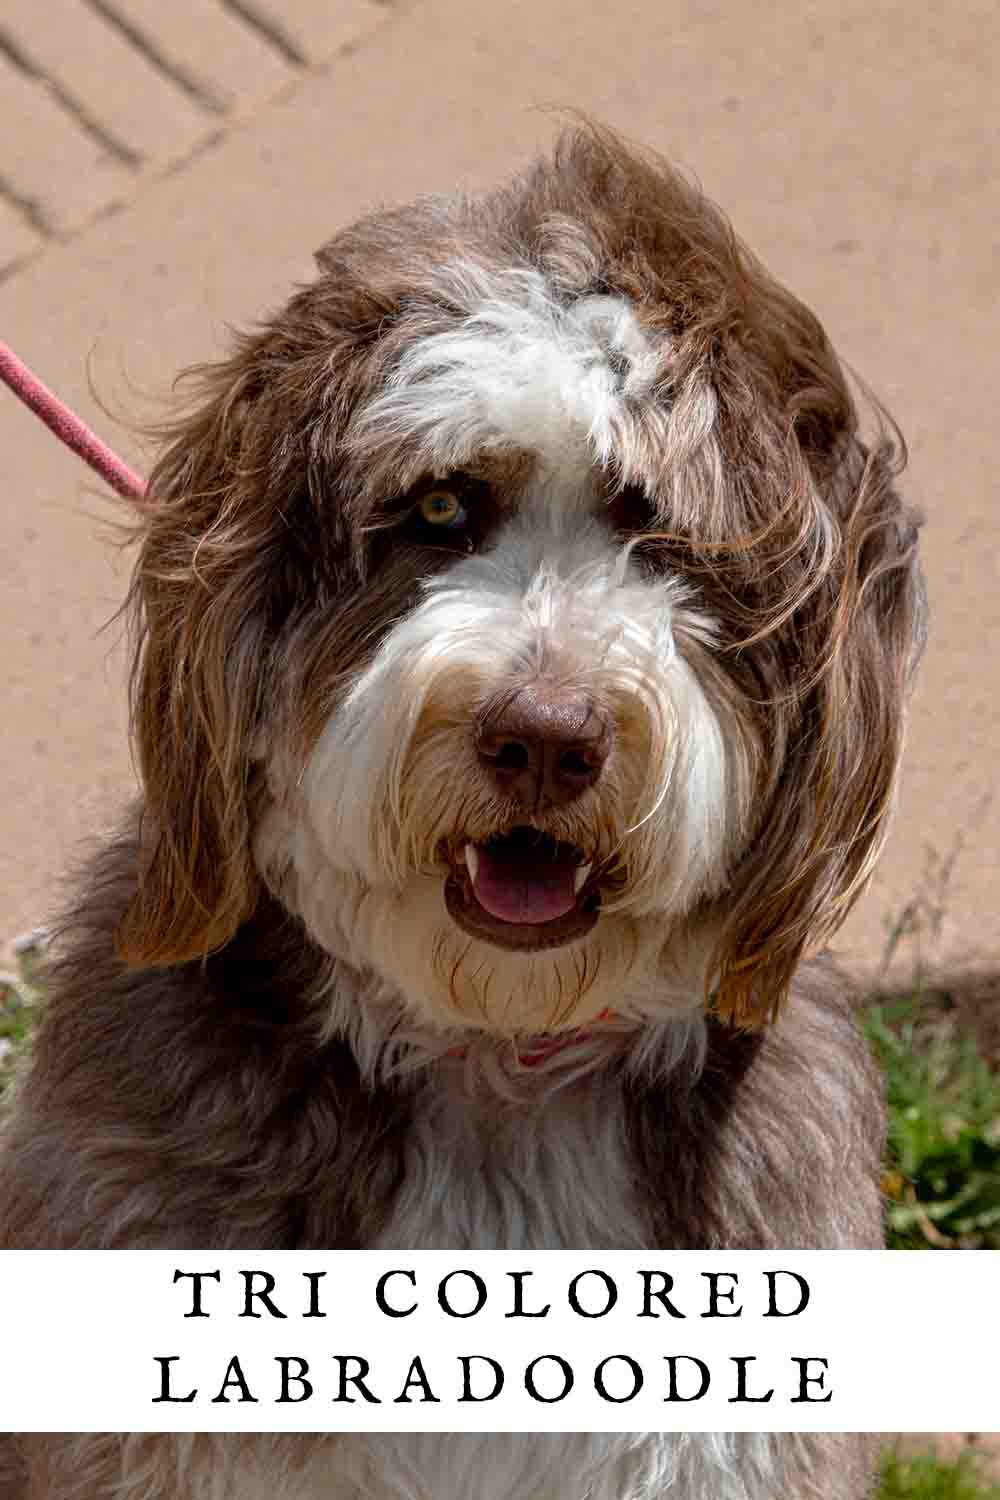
<point x="523" y="608"/>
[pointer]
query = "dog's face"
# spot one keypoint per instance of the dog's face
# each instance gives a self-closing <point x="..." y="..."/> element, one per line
<point x="522" y="608"/>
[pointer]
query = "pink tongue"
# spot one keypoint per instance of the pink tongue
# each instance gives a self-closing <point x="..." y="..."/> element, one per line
<point x="524" y="890"/>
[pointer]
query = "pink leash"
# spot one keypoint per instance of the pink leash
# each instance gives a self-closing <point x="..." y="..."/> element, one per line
<point x="67" y="426"/>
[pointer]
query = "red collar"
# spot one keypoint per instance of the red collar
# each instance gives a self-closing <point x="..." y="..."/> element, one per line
<point x="534" y="1051"/>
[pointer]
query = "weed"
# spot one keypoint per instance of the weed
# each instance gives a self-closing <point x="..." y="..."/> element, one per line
<point x="942" y="1175"/>
<point x="19" y="997"/>
<point x="925" y="1477"/>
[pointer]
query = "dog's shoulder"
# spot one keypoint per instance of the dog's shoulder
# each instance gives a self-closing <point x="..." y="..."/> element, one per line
<point x="778" y="1140"/>
<point x="197" y="1103"/>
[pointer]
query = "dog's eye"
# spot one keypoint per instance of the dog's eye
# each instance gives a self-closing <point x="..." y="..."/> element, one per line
<point x="442" y="508"/>
<point x="631" y="509"/>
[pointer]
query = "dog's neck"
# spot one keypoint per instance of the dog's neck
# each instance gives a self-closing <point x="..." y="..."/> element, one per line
<point x="391" y="1048"/>
<point x="532" y="1052"/>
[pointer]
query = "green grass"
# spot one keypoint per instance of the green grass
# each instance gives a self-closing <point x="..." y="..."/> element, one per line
<point x="924" y="1477"/>
<point x="943" y="1170"/>
<point x="19" y="998"/>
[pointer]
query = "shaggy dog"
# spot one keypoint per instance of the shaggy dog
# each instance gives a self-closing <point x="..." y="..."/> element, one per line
<point x="523" y="635"/>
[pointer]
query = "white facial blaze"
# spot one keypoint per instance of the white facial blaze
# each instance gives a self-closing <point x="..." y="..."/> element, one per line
<point x="522" y="369"/>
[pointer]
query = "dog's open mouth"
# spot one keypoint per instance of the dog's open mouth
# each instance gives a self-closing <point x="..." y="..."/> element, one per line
<point x="522" y="890"/>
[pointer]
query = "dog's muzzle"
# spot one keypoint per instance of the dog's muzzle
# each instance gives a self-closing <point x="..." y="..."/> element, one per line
<point x="541" y="746"/>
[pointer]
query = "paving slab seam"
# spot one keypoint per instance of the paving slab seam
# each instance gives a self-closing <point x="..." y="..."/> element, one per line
<point x="102" y="137"/>
<point x="270" y="29"/>
<point x="174" y="72"/>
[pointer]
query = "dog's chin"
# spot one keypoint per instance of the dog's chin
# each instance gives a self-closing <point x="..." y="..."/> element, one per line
<point x="449" y="975"/>
<point x="453" y="958"/>
<point x="523" y="891"/>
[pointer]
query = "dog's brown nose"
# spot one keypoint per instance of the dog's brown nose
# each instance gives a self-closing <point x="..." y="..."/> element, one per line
<point x="546" y="744"/>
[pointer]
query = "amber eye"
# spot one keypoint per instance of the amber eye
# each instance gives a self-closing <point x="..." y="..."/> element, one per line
<point x="443" y="508"/>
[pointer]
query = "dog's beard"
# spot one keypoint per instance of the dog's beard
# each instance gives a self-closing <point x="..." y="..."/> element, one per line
<point x="369" y="845"/>
<point x="445" y="978"/>
<point x="448" y="977"/>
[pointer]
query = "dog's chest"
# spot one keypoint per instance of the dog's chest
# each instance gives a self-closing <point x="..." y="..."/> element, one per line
<point x="546" y="1170"/>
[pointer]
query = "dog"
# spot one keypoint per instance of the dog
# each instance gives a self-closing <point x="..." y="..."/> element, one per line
<point x="524" y="630"/>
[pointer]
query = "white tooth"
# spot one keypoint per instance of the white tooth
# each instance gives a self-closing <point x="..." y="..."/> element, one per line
<point x="472" y="861"/>
<point x="580" y="878"/>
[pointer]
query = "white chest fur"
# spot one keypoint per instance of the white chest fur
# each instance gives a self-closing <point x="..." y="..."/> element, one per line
<point x="539" y="1161"/>
<point x="545" y="1169"/>
<point x="537" y="1466"/>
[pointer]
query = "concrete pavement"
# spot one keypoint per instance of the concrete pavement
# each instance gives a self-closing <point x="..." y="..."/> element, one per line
<point x="166" y="171"/>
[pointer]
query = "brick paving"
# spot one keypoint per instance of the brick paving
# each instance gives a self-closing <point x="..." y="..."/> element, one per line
<point x="97" y="96"/>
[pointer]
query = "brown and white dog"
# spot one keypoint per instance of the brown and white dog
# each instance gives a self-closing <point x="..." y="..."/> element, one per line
<point x="524" y="631"/>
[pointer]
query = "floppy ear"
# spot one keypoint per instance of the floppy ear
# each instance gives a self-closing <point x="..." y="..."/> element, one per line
<point x="196" y="604"/>
<point x="851" y="650"/>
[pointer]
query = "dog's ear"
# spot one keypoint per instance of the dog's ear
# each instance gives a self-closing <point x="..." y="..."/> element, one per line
<point x="197" y="608"/>
<point x="847" y="658"/>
